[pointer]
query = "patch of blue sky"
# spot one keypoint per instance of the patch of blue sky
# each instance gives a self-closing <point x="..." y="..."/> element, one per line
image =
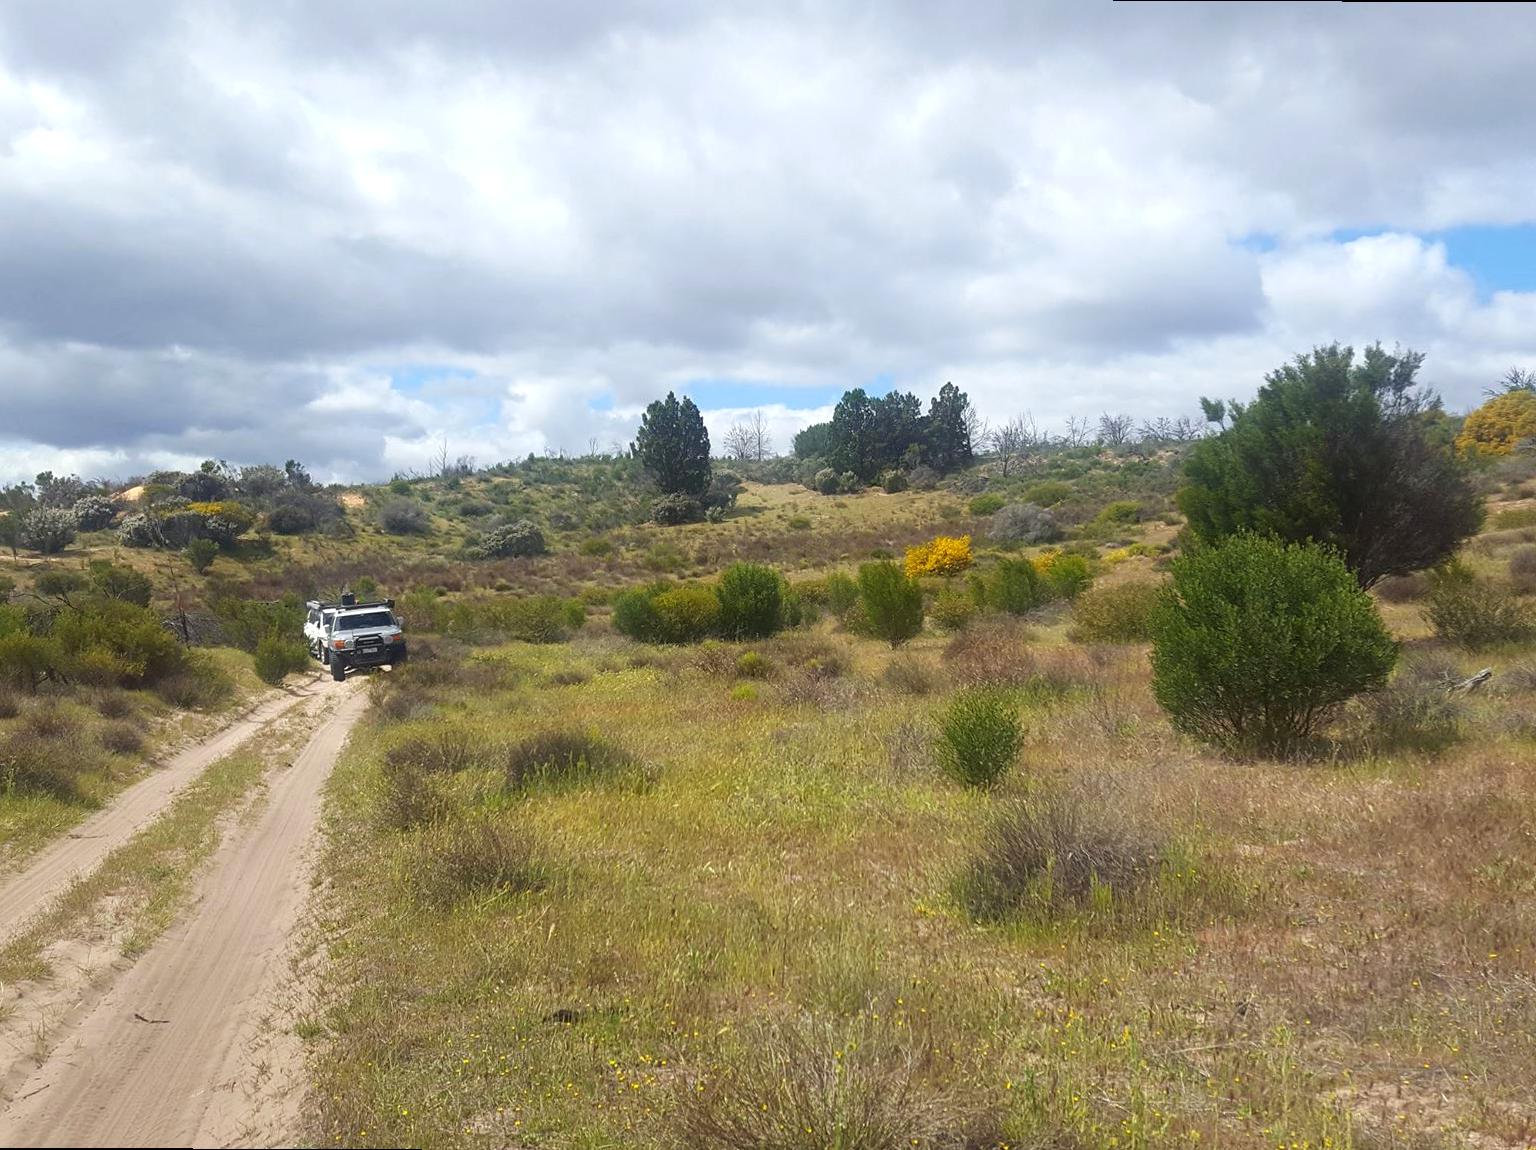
<point x="1497" y="257"/>
<point x="411" y="378"/>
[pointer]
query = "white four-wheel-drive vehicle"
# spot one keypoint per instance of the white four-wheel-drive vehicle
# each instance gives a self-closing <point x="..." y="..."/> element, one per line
<point x="346" y="633"/>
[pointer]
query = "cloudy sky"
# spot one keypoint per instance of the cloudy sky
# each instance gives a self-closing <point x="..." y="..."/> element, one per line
<point x="350" y="231"/>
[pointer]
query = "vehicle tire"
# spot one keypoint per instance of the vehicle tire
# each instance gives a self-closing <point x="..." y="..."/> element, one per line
<point x="338" y="670"/>
<point x="325" y="656"/>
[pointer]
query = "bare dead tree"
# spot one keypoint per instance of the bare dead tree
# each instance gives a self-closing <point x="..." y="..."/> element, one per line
<point x="977" y="431"/>
<point x="1078" y="431"/>
<point x="440" y="461"/>
<point x="1013" y="440"/>
<point x="1115" y="430"/>
<point x="738" y="442"/>
<point x="762" y="439"/>
<point x="1186" y="429"/>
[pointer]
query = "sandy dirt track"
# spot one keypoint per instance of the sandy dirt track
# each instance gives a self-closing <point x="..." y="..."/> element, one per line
<point x="170" y="1054"/>
<point x="28" y="891"/>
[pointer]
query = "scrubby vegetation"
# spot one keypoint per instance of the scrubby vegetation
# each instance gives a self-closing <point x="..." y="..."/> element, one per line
<point x="865" y="818"/>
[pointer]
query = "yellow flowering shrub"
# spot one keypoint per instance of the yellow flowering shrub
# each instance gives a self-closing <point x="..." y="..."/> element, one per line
<point x="942" y="555"/>
<point x="1499" y="424"/>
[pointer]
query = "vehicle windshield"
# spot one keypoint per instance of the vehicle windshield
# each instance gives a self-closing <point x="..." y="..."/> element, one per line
<point x="364" y="620"/>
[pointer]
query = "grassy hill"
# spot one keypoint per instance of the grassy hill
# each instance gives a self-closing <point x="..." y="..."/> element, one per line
<point x="595" y="892"/>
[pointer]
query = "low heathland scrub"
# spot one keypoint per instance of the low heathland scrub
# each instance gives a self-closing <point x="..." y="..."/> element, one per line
<point x="1522" y="571"/>
<point x="1053" y="855"/>
<point x="1023" y="524"/>
<point x="979" y="737"/>
<point x="809" y="1083"/>
<point x="1118" y="614"/>
<point x="752" y="601"/>
<point x="1409" y="715"/>
<point x="277" y="657"/>
<point x="470" y="857"/>
<point x="562" y="756"/>
<point x="1475" y="613"/>
<point x="1257" y="643"/>
<point x="667" y="613"/>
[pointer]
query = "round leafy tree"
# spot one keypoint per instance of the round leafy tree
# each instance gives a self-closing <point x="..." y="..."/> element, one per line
<point x="1256" y="642"/>
<point x="1345" y="451"/>
<point x="751" y="601"/>
<point x="1499" y="425"/>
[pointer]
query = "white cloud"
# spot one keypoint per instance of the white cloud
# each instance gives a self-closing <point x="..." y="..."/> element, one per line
<point x="218" y="221"/>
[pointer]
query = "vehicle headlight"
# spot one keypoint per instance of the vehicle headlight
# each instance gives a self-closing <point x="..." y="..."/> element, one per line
<point x="341" y="644"/>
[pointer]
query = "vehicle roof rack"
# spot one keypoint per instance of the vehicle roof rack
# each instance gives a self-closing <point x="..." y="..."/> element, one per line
<point x="344" y="604"/>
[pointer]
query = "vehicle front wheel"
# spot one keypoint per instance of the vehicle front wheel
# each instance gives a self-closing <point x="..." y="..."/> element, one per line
<point x="338" y="670"/>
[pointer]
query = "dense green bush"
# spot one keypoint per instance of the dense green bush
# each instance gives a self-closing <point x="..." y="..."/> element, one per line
<point x="27" y="660"/>
<point x="675" y="509"/>
<point x="201" y="553"/>
<point x="751" y="601"/>
<point x="1066" y="576"/>
<point x="986" y="504"/>
<point x="825" y="481"/>
<point x="979" y="738"/>
<point x="1014" y="586"/>
<point x="667" y="613"/>
<point x="892" y="603"/>
<point x="894" y="482"/>
<point x="687" y="614"/>
<point x="842" y="592"/>
<point x="110" y="641"/>
<point x="1258" y="642"/>
<point x="48" y="530"/>
<point x="404" y="517"/>
<point x="1474" y="613"/>
<point x="1119" y="513"/>
<point x="1049" y="493"/>
<point x="277" y="656"/>
<point x="112" y="581"/>
<point x="291" y="519"/>
<point x="518" y="540"/>
<point x="953" y="610"/>
<point x="529" y="618"/>
<point x="1120" y="614"/>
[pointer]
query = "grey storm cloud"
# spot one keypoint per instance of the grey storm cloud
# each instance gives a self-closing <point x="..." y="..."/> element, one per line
<point x="224" y="224"/>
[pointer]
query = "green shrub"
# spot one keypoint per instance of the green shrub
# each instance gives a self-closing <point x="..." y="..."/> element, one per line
<point x="893" y="604"/>
<point x="201" y="553"/>
<point x="1474" y="613"/>
<point x="1256" y="643"/>
<point x="753" y="665"/>
<point x="986" y="504"/>
<point x="842" y="592"/>
<point x="404" y="517"/>
<point x="1015" y="586"/>
<point x="121" y="738"/>
<point x="799" y="523"/>
<point x="677" y="508"/>
<point x="1120" y="512"/>
<point x="596" y="547"/>
<point x="894" y="482"/>
<point x="291" y="519"/>
<point x="123" y="583"/>
<point x="33" y="763"/>
<point x="27" y="660"/>
<point x="1067" y="576"/>
<point x="953" y="610"/>
<point x="979" y="738"/>
<point x="519" y="540"/>
<point x="634" y="614"/>
<point x="48" y="530"/>
<point x="751" y="601"/>
<point x="1053" y="854"/>
<point x="277" y="656"/>
<point x="113" y="641"/>
<point x="1049" y="493"/>
<point x="686" y="614"/>
<point x="1121" y="614"/>
<point x="140" y="530"/>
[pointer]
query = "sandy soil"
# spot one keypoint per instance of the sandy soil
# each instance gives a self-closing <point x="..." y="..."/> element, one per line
<point x="190" y="1046"/>
<point x="25" y="893"/>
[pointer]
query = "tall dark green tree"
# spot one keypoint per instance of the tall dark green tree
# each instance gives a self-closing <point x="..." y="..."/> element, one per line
<point x="900" y="434"/>
<point x="853" y="435"/>
<point x="814" y="442"/>
<point x="1351" y="453"/>
<point x="673" y="445"/>
<point x="949" y="429"/>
